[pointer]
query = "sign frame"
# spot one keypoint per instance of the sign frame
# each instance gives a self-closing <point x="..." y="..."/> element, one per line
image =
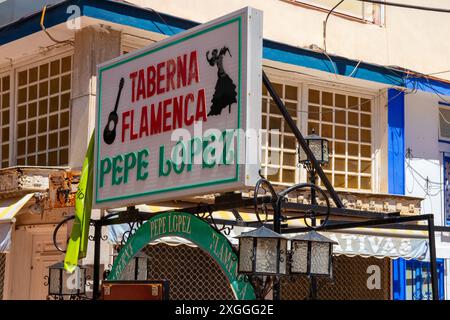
<point x="248" y="105"/>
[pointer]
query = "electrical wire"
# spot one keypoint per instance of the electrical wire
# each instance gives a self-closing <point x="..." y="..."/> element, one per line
<point x="357" y="106"/>
<point x="354" y="70"/>
<point x="163" y="20"/>
<point x="407" y="6"/>
<point x="325" y="25"/>
<point x="44" y="9"/>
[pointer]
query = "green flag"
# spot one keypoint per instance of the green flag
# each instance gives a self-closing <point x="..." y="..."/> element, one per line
<point x="77" y="247"/>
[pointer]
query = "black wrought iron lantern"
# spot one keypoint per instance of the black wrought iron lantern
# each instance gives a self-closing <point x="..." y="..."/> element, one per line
<point x="262" y="252"/>
<point x="62" y="283"/>
<point x="311" y="253"/>
<point x="319" y="147"/>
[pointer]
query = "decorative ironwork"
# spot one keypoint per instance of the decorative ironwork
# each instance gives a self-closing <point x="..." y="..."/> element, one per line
<point x="266" y="187"/>
<point x="180" y="265"/>
<point x="2" y="273"/>
<point x="133" y="226"/>
<point x="55" y="232"/>
<point x="71" y="297"/>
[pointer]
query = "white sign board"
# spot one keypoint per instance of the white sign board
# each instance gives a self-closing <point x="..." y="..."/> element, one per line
<point x="181" y="117"/>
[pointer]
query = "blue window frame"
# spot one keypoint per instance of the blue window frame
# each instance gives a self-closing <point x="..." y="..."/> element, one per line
<point x="447" y="189"/>
<point x="412" y="279"/>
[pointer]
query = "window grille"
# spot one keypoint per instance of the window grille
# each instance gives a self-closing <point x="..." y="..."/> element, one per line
<point x="346" y="121"/>
<point x="365" y="11"/>
<point x="5" y="107"/>
<point x="192" y="273"/>
<point x="43" y="113"/>
<point x="349" y="281"/>
<point x="444" y="123"/>
<point x="279" y="154"/>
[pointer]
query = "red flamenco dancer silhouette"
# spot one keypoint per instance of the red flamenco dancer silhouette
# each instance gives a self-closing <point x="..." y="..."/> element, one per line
<point x="225" y="90"/>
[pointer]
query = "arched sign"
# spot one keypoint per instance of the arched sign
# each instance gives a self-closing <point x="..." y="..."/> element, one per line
<point x="191" y="228"/>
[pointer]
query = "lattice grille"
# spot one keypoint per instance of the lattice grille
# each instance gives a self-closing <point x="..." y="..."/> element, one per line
<point x="2" y="273"/>
<point x="349" y="281"/>
<point x="193" y="274"/>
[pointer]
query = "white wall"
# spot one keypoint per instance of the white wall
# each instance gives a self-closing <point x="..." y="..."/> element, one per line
<point x="422" y="135"/>
<point x="410" y="38"/>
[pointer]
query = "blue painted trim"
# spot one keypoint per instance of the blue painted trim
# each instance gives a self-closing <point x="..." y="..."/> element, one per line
<point x="444" y="198"/>
<point x="441" y="279"/>
<point x="440" y="88"/>
<point x="444" y="103"/>
<point x="134" y="16"/>
<point x="396" y="175"/>
<point x="311" y="59"/>
<point x="444" y="141"/>
<point x="416" y="267"/>
<point x="396" y="142"/>
<point x="399" y="279"/>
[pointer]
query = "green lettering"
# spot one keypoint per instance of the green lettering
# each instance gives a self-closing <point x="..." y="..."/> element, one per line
<point x="196" y="149"/>
<point x="162" y="163"/>
<point x="209" y="152"/>
<point x="142" y="164"/>
<point x="179" y="157"/>
<point x="228" y="150"/>
<point x="104" y="169"/>
<point x="129" y="165"/>
<point x="116" y="169"/>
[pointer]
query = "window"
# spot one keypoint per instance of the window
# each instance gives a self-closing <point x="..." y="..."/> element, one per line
<point x="344" y="118"/>
<point x="42" y="113"/>
<point x="447" y="189"/>
<point x="365" y="11"/>
<point x="444" y="123"/>
<point x="5" y="107"/>
<point x="279" y="154"/>
<point x="346" y="121"/>
<point x="418" y="280"/>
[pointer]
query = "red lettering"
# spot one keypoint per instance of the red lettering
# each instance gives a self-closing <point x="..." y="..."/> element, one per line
<point x="141" y="86"/>
<point x="177" y="112"/>
<point x="144" y="122"/>
<point x="190" y="120"/>
<point x="201" y="106"/>
<point x="160" y="78"/>
<point x="133" y="85"/>
<point x="133" y="135"/>
<point x="125" y="124"/>
<point x="166" y="115"/>
<point x="151" y="81"/>
<point x="193" y="68"/>
<point x="155" y="120"/>
<point x="171" y="70"/>
<point x="181" y="71"/>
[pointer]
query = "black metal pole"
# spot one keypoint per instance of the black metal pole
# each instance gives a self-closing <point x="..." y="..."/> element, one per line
<point x="277" y="228"/>
<point x="97" y="244"/>
<point x="361" y="224"/>
<point x="312" y="179"/>
<point x="301" y="140"/>
<point x="433" y="267"/>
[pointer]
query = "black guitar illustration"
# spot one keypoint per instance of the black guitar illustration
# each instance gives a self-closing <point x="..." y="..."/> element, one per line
<point x="109" y="134"/>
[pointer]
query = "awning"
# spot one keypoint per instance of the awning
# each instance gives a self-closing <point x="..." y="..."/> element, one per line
<point x="8" y="210"/>
<point x="365" y="242"/>
<point x="379" y="246"/>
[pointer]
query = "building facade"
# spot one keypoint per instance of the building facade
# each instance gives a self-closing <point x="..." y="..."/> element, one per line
<point x="369" y="80"/>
